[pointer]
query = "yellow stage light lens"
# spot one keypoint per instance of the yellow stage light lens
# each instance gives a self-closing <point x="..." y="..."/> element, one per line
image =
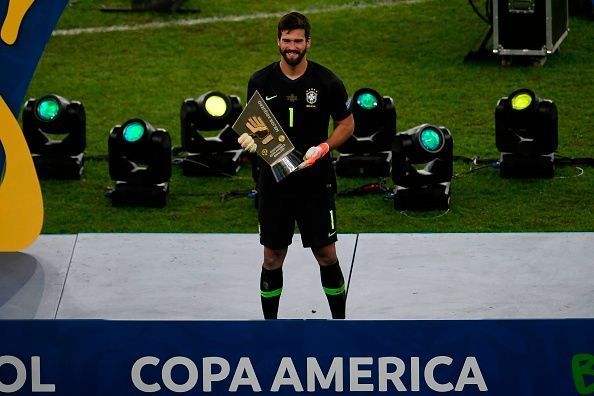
<point x="215" y="106"/>
<point x="521" y="101"/>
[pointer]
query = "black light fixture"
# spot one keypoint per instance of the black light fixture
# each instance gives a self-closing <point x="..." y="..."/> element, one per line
<point x="422" y="168"/>
<point x="55" y="131"/>
<point x="212" y="112"/>
<point x="368" y="151"/>
<point x="526" y="135"/>
<point x="140" y="164"/>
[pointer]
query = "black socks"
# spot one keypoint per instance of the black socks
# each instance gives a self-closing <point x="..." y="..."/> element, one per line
<point x="271" y="287"/>
<point x="334" y="288"/>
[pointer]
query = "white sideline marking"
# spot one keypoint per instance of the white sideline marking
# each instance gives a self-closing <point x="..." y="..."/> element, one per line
<point x="229" y="18"/>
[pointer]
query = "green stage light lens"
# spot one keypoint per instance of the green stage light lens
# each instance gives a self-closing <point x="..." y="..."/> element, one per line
<point x="48" y="109"/>
<point x="133" y="131"/>
<point x="215" y="106"/>
<point x="367" y="101"/>
<point x="431" y="139"/>
<point x="521" y="101"/>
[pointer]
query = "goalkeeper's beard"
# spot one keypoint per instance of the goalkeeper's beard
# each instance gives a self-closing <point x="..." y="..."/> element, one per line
<point x="293" y="61"/>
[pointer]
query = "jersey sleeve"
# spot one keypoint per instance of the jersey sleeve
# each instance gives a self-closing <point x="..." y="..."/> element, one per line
<point x="339" y="97"/>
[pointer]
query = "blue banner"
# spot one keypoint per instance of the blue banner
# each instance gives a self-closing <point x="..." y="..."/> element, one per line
<point x="19" y="58"/>
<point x="491" y="357"/>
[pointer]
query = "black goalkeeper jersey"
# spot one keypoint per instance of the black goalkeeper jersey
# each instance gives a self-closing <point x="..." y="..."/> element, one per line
<point x="303" y="107"/>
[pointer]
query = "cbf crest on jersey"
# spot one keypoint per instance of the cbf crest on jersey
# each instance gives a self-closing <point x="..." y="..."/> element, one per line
<point x="311" y="97"/>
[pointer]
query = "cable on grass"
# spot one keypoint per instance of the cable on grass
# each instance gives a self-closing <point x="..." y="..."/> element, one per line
<point x="178" y="160"/>
<point x="369" y="188"/>
<point x="488" y="11"/>
<point x="493" y="165"/>
<point x="563" y="160"/>
<point x="229" y="195"/>
<point x="406" y="213"/>
<point x="580" y="173"/>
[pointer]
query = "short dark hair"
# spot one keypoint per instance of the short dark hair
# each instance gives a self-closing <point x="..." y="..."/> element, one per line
<point x="292" y="21"/>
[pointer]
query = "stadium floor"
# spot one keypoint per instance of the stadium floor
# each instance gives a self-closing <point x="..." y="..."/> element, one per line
<point x="216" y="276"/>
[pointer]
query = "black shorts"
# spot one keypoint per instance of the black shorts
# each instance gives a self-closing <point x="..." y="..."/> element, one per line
<point x="315" y="215"/>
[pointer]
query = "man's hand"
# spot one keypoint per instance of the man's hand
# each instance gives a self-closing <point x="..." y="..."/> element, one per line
<point x="247" y="143"/>
<point x="314" y="154"/>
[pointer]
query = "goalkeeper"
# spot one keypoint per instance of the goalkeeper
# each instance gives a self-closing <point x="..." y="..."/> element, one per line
<point x="303" y="96"/>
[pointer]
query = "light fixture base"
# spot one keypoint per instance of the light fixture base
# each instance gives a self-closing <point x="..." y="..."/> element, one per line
<point x="430" y="197"/>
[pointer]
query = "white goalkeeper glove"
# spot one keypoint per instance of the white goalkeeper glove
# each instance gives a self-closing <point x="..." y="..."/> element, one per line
<point x="314" y="154"/>
<point x="247" y="143"/>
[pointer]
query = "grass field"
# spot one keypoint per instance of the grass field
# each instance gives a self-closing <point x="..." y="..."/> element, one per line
<point x="411" y="51"/>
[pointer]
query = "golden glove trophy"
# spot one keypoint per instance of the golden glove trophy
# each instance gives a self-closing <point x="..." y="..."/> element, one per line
<point x="273" y="144"/>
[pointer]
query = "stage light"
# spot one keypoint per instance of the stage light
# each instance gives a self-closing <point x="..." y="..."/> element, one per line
<point x="48" y="108"/>
<point x="367" y="101"/>
<point x="431" y="140"/>
<point x="212" y="112"/>
<point x="216" y="106"/>
<point x="526" y="135"/>
<point x="133" y="131"/>
<point x="422" y="168"/>
<point x="368" y="151"/>
<point x="140" y="164"/>
<point x="55" y="131"/>
<point x="521" y="101"/>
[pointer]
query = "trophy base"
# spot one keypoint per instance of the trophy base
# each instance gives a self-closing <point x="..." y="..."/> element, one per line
<point x="286" y="166"/>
